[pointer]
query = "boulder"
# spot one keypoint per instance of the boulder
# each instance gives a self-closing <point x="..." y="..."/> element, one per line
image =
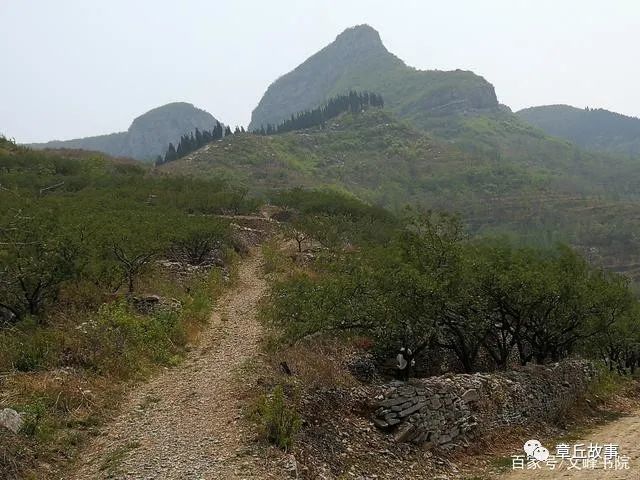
<point x="6" y="316"/>
<point x="11" y="420"/>
<point x="406" y="434"/>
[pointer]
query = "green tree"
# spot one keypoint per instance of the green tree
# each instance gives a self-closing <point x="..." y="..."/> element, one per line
<point x="35" y="259"/>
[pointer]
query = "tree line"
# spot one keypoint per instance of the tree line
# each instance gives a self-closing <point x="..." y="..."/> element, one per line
<point x="457" y="303"/>
<point x="190" y="142"/>
<point x="353" y="102"/>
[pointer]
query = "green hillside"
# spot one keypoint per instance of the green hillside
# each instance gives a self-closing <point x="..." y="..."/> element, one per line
<point x="357" y="60"/>
<point x="149" y="134"/>
<point x="594" y="129"/>
<point x="553" y="191"/>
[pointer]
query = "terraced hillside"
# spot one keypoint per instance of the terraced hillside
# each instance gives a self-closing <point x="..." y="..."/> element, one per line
<point x="457" y="106"/>
<point x="551" y="191"/>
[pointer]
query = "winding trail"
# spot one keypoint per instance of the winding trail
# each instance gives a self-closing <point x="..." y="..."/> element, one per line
<point x="187" y="422"/>
<point x="624" y="432"/>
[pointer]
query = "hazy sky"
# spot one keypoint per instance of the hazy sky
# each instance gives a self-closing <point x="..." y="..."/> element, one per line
<point x="74" y="68"/>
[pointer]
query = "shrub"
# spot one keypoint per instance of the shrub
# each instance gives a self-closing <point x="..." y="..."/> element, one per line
<point x="28" y="348"/>
<point x="278" y="421"/>
<point x="203" y="289"/>
<point x="33" y="416"/>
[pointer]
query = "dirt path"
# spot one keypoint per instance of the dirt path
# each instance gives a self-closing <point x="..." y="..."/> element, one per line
<point x="624" y="432"/>
<point x="186" y="423"/>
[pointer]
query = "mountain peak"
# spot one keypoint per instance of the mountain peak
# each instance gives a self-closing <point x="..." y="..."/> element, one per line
<point x="358" y="60"/>
<point x="360" y="35"/>
<point x="171" y="112"/>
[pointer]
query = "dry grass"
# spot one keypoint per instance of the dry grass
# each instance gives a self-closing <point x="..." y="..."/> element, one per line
<point x="318" y="363"/>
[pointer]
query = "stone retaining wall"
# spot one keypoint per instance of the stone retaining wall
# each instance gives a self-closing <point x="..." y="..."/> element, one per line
<point x="445" y="410"/>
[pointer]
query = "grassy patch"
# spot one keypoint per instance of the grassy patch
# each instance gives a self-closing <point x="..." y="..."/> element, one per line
<point x="606" y="384"/>
<point x="276" y="260"/>
<point x="501" y="464"/>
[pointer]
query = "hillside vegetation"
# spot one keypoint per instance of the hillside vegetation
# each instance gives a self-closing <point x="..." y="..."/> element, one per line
<point x="418" y="281"/>
<point x="593" y="129"/>
<point x="458" y="107"/>
<point x="356" y="290"/>
<point x="149" y="134"/>
<point x="551" y="191"/>
<point x="106" y="272"/>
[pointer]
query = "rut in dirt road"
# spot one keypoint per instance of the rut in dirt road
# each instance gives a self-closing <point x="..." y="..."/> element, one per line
<point x="624" y="432"/>
<point x="187" y="423"/>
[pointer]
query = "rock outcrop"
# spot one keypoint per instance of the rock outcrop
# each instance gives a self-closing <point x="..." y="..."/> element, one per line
<point x="445" y="410"/>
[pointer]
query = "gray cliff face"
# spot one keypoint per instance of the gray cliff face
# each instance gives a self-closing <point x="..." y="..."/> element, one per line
<point x="149" y="134"/>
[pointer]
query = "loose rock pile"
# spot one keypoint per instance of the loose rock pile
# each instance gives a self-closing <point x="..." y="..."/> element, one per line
<point x="244" y="238"/>
<point x="445" y="410"/>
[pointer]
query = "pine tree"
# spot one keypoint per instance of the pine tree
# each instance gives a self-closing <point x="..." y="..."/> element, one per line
<point x="353" y="102"/>
<point x="171" y="154"/>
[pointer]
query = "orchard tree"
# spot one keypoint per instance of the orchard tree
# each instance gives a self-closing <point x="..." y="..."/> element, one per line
<point x="36" y="257"/>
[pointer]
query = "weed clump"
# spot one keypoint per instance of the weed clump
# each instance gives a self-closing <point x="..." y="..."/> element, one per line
<point x="277" y="419"/>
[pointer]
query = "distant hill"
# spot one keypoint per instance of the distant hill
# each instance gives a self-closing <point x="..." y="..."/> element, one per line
<point x="357" y="60"/>
<point x="149" y="134"/>
<point x="594" y="129"/>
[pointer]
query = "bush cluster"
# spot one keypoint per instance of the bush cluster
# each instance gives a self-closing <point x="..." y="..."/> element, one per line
<point x="470" y="303"/>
